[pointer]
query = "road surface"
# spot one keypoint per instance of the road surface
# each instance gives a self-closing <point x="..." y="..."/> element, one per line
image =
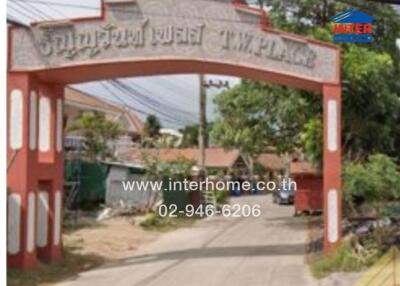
<point x="218" y="251"/>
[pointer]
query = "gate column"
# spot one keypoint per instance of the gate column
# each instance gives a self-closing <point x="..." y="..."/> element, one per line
<point x="21" y="170"/>
<point x="51" y="172"/>
<point x="332" y="193"/>
<point x="34" y="170"/>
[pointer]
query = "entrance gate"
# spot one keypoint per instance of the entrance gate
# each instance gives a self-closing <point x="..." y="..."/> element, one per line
<point x="138" y="38"/>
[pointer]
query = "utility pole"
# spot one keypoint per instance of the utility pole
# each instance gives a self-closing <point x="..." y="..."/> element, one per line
<point x="203" y="115"/>
<point x="202" y="123"/>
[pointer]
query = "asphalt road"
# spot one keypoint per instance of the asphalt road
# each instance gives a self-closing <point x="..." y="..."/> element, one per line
<point x="266" y="250"/>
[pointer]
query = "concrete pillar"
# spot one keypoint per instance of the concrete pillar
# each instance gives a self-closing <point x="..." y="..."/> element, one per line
<point x="332" y="167"/>
<point x="34" y="160"/>
<point x="21" y="170"/>
<point x="50" y="177"/>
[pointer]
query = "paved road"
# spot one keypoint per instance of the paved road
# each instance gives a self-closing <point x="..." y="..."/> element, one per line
<point x="268" y="250"/>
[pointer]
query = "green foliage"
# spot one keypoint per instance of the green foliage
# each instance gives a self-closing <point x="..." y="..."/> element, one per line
<point x="190" y="136"/>
<point x="344" y="259"/>
<point x="254" y="115"/>
<point x="222" y="197"/>
<point x="158" y="170"/>
<point x="370" y="73"/>
<point x="312" y="139"/>
<point x="370" y="104"/>
<point x="154" y="222"/>
<point x="180" y="167"/>
<point x="376" y="180"/>
<point x="152" y="126"/>
<point x="97" y="131"/>
<point x="151" y="132"/>
<point x="259" y="169"/>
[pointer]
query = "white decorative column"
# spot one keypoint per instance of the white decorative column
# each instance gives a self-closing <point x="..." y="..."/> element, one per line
<point x="332" y="167"/>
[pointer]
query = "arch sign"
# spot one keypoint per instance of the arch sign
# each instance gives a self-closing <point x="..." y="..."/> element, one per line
<point x="138" y="38"/>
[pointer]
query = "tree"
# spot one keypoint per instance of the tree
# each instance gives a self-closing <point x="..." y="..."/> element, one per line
<point x="191" y="135"/>
<point x="152" y="126"/>
<point x="254" y="115"/>
<point x="370" y="72"/>
<point x="371" y="182"/>
<point x="312" y="141"/>
<point x="151" y="130"/>
<point x="97" y="131"/>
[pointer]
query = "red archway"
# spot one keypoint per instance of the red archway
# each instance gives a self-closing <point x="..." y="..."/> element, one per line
<point x="47" y="56"/>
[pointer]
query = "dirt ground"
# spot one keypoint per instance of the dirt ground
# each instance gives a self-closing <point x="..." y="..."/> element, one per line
<point x="87" y="244"/>
<point x="110" y="239"/>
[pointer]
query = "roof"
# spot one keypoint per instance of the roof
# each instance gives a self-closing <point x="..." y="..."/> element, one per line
<point x="271" y="161"/>
<point x="86" y="101"/>
<point x="215" y="157"/>
<point x="303" y="168"/>
<point x="124" y="164"/>
<point x="352" y="16"/>
<point x="76" y="97"/>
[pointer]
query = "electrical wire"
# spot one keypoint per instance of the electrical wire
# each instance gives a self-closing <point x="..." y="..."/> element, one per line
<point x="23" y="13"/>
<point x="127" y="106"/>
<point x="88" y="7"/>
<point x="33" y="12"/>
<point x="151" y="100"/>
<point x="143" y="102"/>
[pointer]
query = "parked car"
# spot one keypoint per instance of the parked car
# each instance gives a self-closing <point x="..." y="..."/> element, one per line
<point x="283" y="195"/>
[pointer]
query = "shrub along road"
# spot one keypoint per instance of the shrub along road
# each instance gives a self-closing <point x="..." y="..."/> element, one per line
<point x="266" y="250"/>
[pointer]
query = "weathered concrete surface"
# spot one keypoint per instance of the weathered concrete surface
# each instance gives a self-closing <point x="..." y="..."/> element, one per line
<point x="268" y="250"/>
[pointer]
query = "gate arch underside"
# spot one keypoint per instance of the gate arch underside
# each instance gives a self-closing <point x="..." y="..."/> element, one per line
<point x="139" y="38"/>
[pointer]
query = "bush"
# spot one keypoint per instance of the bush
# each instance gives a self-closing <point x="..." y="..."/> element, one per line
<point x="154" y="222"/>
<point x="344" y="259"/>
<point x="222" y="197"/>
<point x="374" y="181"/>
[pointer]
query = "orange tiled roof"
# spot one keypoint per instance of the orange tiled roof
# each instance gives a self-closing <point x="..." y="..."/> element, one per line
<point x="271" y="161"/>
<point x="215" y="157"/>
<point x="303" y="168"/>
<point x="77" y="97"/>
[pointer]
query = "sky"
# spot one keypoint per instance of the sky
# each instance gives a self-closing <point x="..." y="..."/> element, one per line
<point x="173" y="98"/>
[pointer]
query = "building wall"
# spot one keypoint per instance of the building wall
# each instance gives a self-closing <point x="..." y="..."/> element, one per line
<point x="115" y="193"/>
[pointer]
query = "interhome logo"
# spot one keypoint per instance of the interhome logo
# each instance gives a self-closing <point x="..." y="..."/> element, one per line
<point x="352" y="26"/>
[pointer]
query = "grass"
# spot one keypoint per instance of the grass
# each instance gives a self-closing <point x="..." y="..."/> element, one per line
<point x="343" y="259"/>
<point x="155" y="222"/>
<point x="71" y="265"/>
<point x="222" y="197"/>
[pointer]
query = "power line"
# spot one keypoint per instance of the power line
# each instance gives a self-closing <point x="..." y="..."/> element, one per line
<point x="127" y="106"/>
<point x="143" y="102"/>
<point x="33" y="12"/>
<point x="22" y="13"/>
<point x="88" y="7"/>
<point x="154" y="101"/>
<point x="55" y="10"/>
<point x="39" y="12"/>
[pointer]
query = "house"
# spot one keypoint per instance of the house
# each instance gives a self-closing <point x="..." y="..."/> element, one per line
<point x="272" y="163"/>
<point x="217" y="159"/>
<point x="120" y="190"/>
<point x="76" y="102"/>
<point x="107" y="182"/>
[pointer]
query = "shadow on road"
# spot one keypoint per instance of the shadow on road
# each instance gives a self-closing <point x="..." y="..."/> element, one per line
<point x="213" y="252"/>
